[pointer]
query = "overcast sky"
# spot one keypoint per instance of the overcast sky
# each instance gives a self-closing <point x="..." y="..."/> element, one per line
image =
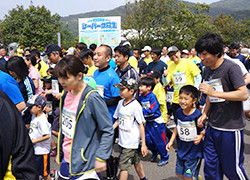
<point x="69" y="7"/>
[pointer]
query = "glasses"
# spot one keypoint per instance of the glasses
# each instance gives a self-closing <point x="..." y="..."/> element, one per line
<point x="172" y="54"/>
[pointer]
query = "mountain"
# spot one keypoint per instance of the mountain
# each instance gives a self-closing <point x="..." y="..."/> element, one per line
<point x="239" y="9"/>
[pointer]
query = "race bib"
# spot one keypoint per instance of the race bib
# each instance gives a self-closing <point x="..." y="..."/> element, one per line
<point x="68" y="122"/>
<point x="169" y="96"/>
<point x="100" y="90"/>
<point x="217" y="86"/>
<point x="186" y="130"/>
<point x="179" y="78"/>
<point x="55" y="86"/>
<point x="145" y="105"/>
<point x="125" y="122"/>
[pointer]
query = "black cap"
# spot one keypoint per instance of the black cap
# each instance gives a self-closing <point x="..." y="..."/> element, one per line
<point x="51" y="48"/>
<point x="155" y="73"/>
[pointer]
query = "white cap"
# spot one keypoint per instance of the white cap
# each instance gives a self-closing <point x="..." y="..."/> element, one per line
<point x="146" y="48"/>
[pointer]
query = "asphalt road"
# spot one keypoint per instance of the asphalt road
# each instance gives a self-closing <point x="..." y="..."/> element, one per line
<point x="167" y="172"/>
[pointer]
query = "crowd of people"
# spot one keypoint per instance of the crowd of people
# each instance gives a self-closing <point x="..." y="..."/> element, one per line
<point x="91" y="97"/>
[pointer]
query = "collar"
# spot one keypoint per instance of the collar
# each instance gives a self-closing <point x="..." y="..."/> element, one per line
<point x="104" y="69"/>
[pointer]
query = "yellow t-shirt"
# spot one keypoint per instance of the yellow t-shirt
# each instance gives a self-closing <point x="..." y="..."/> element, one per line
<point x="148" y="60"/>
<point x="91" y="71"/>
<point x="20" y="52"/>
<point x="195" y="59"/>
<point x="181" y="74"/>
<point x="133" y="62"/>
<point x="161" y="97"/>
<point x="43" y="70"/>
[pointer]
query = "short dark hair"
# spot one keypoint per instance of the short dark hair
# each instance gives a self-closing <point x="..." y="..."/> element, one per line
<point x="17" y="65"/>
<point x="147" y="81"/>
<point x="108" y="50"/>
<point x="137" y="49"/>
<point x="210" y="42"/>
<point x="92" y="46"/>
<point x="124" y="50"/>
<point x="85" y="54"/>
<point x="190" y="90"/>
<point x="69" y="64"/>
<point x="81" y="46"/>
<point x="35" y="52"/>
<point x="157" y="51"/>
<point x="31" y="58"/>
<point x="234" y="46"/>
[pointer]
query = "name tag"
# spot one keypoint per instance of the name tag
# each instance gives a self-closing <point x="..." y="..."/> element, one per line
<point x="186" y="130"/>
<point x="179" y="78"/>
<point x="100" y="90"/>
<point x="55" y="86"/>
<point x="217" y="86"/>
<point x="169" y="96"/>
<point x="68" y="122"/>
<point x="145" y="105"/>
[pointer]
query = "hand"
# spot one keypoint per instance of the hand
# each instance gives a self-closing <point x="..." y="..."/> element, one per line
<point x="43" y="93"/>
<point x="57" y="96"/>
<point x="144" y="150"/>
<point x="197" y="139"/>
<point x="201" y="120"/>
<point x="169" y="145"/>
<point x="100" y="166"/>
<point x="207" y="89"/>
<point x="165" y="72"/>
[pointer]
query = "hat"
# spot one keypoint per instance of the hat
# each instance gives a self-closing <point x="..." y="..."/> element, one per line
<point x="155" y="73"/>
<point x="146" y="48"/>
<point x="51" y="48"/>
<point x="124" y="43"/>
<point x="129" y="83"/>
<point x="71" y="51"/>
<point x="47" y="79"/>
<point x="172" y="49"/>
<point x="244" y="52"/>
<point x="185" y="51"/>
<point x="36" y="100"/>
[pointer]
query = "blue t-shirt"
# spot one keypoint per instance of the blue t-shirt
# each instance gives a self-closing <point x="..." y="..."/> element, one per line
<point x="104" y="83"/>
<point x="188" y="150"/>
<point x="9" y="85"/>
<point x="157" y="65"/>
<point x="112" y="63"/>
<point x="241" y="58"/>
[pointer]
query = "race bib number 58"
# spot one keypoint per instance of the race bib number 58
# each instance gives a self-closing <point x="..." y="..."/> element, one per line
<point x="186" y="130"/>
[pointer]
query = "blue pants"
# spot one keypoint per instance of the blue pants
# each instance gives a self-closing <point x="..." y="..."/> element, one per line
<point x="223" y="154"/>
<point x="156" y="138"/>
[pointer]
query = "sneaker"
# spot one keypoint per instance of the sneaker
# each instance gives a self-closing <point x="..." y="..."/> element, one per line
<point x="153" y="157"/>
<point x="162" y="162"/>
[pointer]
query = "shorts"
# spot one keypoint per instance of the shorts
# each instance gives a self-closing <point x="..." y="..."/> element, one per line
<point x="55" y="123"/>
<point x="64" y="173"/>
<point x="188" y="168"/>
<point x="246" y="104"/>
<point x="43" y="164"/>
<point x="127" y="158"/>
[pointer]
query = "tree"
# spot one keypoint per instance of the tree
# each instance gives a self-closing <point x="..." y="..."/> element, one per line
<point x="32" y="26"/>
<point x="166" y="22"/>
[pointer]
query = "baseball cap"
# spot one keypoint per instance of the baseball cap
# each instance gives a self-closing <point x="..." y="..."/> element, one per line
<point x="146" y="48"/>
<point x="71" y="51"/>
<point x="244" y="52"/>
<point x="185" y="51"/>
<point x="51" y="48"/>
<point x="129" y="83"/>
<point x="36" y="100"/>
<point x="47" y="79"/>
<point x="155" y="73"/>
<point x="172" y="49"/>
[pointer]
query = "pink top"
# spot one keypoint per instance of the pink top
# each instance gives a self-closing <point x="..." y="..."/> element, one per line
<point x="34" y="74"/>
<point x="69" y="111"/>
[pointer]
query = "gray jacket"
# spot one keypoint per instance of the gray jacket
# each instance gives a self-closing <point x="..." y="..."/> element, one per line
<point x="93" y="134"/>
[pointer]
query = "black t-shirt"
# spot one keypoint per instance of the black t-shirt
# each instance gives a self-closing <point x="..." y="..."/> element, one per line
<point x="224" y="114"/>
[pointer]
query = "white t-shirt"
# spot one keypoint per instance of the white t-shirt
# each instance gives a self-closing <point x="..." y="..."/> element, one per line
<point x="40" y="126"/>
<point x="129" y="117"/>
<point x="237" y="61"/>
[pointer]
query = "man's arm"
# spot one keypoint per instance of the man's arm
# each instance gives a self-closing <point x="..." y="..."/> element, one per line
<point x="247" y="78"/>
<point x="21" y="106"/>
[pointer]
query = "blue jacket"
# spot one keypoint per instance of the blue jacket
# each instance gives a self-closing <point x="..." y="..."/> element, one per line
<point x="93" y="133"/>
<point x="150" y="106"/>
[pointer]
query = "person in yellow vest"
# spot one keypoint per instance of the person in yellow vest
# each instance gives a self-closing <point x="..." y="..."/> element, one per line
<point x="180" y="72"/>
<point x="194" y="56"/>
<point x="147" y="52"/>
<point x="86" y="57"/>
<point x="20" y="51"/>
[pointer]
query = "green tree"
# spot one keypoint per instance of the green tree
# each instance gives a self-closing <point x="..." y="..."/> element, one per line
<point x="32" y="26"/>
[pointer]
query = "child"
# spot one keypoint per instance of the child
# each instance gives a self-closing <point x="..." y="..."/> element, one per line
<point x="86" y="134"/>
<point x="39" y="133"/>
<point x="130" y="120"/>
<point x="189" y="137"/>
<point x="155" y="132"/>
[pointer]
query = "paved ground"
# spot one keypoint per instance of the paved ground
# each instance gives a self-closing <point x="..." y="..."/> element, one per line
<point x="167" y="172"/>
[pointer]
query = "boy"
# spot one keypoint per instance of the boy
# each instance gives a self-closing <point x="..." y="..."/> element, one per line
<point x="39" y="133"/>
<point x="189" y="137"/>
<point x="155" y="133"/>
<point x="130" y="120"/>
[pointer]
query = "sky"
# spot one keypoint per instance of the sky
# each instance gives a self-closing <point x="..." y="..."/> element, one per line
<point x="70" y="7"/>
